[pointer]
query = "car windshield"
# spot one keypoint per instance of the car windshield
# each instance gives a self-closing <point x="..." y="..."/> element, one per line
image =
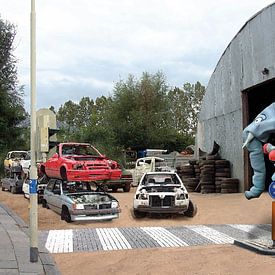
<point x="18" y="155"/>
<point x="73" y="187"/>
<point x="81" y="150"/>
<point x="160" y="179"/>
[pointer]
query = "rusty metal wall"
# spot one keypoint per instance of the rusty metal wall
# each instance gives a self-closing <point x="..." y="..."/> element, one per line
<point x="240" y="67"/>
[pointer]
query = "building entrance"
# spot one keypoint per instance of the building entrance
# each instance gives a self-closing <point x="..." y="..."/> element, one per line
<point x="254" y="100"/>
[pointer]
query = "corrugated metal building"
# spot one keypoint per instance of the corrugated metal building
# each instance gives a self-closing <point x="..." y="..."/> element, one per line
<point x="242" y="84"/>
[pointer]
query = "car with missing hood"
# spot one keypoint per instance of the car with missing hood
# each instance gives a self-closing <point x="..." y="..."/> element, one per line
<point x="80" y="162"/>
<point x="12" y="165"/>
<point x="162" y="193"/>
<point x="75" y="201"/>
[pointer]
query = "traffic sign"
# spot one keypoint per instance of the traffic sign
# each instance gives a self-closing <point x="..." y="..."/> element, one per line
<point x="271" y="189"/>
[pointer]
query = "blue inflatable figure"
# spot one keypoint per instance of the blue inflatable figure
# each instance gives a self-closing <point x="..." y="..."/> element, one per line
<point x="254" y="135"/>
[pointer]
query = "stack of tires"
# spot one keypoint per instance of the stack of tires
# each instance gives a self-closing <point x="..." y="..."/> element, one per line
<point x="207" y="176"/>
<point x="187" y="175"/>
<point x="229" y="185"/>
<point x="222" y="170"/>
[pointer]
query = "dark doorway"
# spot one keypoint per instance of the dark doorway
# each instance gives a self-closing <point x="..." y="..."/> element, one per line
<point x="254" y="100"/>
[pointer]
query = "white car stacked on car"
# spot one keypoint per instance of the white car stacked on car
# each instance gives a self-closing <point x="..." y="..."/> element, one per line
<point x="162" y="192"/>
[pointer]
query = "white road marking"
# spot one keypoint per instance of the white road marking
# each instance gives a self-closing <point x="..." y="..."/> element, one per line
<point x="163" y="237"/>
<point x="212" y="234"/>
<point x="59" y="241"/>
<point x="112" y="239"/>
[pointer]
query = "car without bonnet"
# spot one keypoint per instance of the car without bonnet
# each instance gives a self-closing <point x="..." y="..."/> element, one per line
<point x="12" y="163"/>
<point x="80" y="162"/>
<point x="162" y="192"/>
<point x="75" y="201"/>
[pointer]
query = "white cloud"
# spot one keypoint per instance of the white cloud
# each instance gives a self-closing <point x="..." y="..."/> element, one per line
<point x="85" y="46"/>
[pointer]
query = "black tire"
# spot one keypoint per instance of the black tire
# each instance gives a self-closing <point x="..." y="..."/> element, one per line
<point x="65" y="215"/>
<point x="137" y="214"/>
<point x="3" y="188"/>
<point x="44" y="204"/>
<point x="114" y="189"/>
<point x="192" y="210"/>
<point x="63" y="173"/>
<point x="127" y="187"/>
<point x="13" y="190"/>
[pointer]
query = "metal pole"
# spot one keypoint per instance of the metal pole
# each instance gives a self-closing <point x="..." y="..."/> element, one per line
<point x="33" y="169"/>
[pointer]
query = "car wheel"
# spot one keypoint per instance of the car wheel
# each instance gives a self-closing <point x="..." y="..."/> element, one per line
<point x="114" y="189"/>
<point x="138" y="214"/>
<point x="63" y="173"/>
<point x="192" y="209"/>
<point x="127" y="187"/>
<point x="3" y="188"/>
<point x="65" y="215"/>
<point x="13" y="190"/>
<point x="44" y="204"/>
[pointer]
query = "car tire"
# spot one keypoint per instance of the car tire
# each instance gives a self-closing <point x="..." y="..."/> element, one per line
<point x="3" y="188"/>
<point x="65" y="215"/>
<point x="63" y="173"/>
<point x="13" y="190"/>
<point x="127" y="187"/>
<point x="137" y="214"/>
<point x="45" y="204"/>
<point x="192" y="209"/>
<point x="114" y="189"/>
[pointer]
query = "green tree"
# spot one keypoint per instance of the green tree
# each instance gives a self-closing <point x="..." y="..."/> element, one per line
<point x="185" y="106"/>
<point x="12" y="111"/>
<point x="11" y="103"/>
<point x="140" y="111"/>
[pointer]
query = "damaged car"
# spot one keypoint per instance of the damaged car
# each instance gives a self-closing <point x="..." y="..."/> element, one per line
<point x="162" y="193"/>
<point x="80" y="162"/>
<point x="75" y="201"/>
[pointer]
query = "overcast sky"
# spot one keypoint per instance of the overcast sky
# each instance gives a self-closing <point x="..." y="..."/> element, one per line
<point x="85" y="46"/>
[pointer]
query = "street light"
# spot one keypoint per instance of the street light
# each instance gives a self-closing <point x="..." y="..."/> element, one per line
<point x="33" y="169"/>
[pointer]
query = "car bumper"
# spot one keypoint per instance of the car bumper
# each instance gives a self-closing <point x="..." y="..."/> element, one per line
<point x="164" y="210"/>
<point x="93" y="175"/>
<point x="95" y="215"/>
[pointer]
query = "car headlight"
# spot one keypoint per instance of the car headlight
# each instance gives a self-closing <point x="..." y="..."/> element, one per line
<point x="180" y="197"/>
<point x="143" y="196"/>
<point x="115" y="204"/>
<point x="78" y="166"/>
<point x="78" y="206"/>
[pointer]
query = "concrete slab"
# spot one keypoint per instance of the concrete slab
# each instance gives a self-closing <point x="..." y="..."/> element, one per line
<point x="259" y="246"/>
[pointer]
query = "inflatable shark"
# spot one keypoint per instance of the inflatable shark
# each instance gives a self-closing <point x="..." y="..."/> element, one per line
<point x="254" y="135"/>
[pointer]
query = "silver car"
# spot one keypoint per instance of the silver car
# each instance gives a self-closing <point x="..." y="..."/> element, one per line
<point x="162" y="193"/>
<point x="75" y="201"/>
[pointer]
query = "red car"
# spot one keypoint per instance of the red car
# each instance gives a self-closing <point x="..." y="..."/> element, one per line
<point x="80" y="162"/>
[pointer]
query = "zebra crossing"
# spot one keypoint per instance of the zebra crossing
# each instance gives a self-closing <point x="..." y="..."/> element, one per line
<point x="107" y="239"/>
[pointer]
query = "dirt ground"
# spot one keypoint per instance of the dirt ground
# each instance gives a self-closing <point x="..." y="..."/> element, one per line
<point x="212" y="209"/>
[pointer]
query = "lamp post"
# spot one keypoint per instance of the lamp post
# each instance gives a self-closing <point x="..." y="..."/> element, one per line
<point x="33" y="169"/>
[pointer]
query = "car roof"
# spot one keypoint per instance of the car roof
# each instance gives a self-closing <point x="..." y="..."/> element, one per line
<point x="160" y="173"/>
<point x="17" y="152"/>
<point x="148" y="158"/>
<point x="74" y="143"/>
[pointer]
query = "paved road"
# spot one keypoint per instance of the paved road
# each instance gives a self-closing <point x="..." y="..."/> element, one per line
<point x="15" y="248"/>
<point x="96" y="239"/>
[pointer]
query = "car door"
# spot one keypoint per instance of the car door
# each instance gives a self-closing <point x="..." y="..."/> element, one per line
<point x="48" y="193"/>
<point x="56" y="199"/>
